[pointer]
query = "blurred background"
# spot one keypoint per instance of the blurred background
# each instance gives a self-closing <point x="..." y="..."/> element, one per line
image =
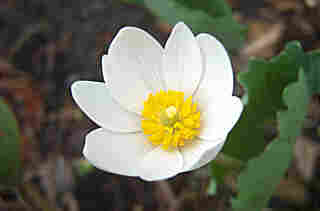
<point x="46" y="45"/>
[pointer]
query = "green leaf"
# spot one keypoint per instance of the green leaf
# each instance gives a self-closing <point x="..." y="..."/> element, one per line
<point x="215" y="8"/>
<point x="213" y="16"/>
<point x="291" y="121"/>
<point x="10" y="169"/>
<point x="219" y="171"/>
<point x="312" y="72"/>
<point x="224" y="165"/>
<point x="258" y="182"/>
<point x="264" y="83"/>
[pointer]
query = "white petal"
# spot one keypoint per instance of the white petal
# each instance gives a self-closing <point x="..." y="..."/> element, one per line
<point x="208" y="156"/>
<point x="106" y="65"/>
<point x="182" y="60"/>
<point x="160" y="164"/>
<point x="135" y="70"/>
<point x="217" y="78"/>
<point x="95" y="101"/>
<point x="219" y="116"/>
<point x="117" y="153"/>
<point x="199" y="149"/>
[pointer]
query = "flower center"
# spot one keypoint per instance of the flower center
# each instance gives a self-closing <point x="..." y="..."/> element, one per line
<point x="169" y="120"/>
<point x="171" y="112"/>
<point x="169" y="116"/>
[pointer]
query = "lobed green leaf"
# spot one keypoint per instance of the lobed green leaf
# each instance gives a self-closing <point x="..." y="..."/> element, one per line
<point x="258" y="182"/>
<point x="264" y="83"/>
<point x="312" y="72"/>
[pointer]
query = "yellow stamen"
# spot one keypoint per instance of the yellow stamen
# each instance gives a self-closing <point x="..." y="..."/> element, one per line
<point x="171" y="112"/>
<point x="169" y="120"/>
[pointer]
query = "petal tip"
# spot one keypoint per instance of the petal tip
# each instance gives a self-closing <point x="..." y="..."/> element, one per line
<point x="127" y="30"/>
<point x="181" y="26"/>
<point x="180" y="23"/>
<point x="212" y="39"/>
<point x="75" y="88"/>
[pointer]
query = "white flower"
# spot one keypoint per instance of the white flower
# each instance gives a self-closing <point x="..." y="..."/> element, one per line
<point x="162" y="111"/>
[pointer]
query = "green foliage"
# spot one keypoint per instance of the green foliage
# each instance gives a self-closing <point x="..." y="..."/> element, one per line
<point x="312" y="71"/>
<point x="213" y="16"/>
<point x="290" y="121"/>
<point x="264" y="83"/>
<point x="215" y="8"/>
<point x="10" y="169"/>
<point x="219" y="171"/>
<point x="224" y="165"/>
<point x="257" y="183"/>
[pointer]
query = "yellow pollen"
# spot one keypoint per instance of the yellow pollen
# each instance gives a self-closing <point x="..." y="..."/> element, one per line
<point x="171" y="112"/>
<point x="170" y="121"/>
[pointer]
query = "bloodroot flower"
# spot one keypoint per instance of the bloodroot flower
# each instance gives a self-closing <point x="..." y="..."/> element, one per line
<point x="162" y="111"/>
